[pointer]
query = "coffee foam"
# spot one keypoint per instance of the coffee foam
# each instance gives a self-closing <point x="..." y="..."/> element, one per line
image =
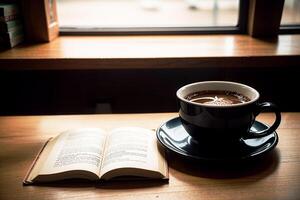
<point x="221" y="98"/>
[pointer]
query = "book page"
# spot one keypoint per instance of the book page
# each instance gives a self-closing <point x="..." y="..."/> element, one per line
<point x="132" y="147"/>
<point x="76" y="150"/>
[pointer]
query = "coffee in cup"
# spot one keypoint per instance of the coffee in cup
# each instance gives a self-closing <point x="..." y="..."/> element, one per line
<point x="217" y="97"/>
<point x="224" y="111"/>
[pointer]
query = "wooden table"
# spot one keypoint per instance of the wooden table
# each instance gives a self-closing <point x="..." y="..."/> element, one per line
<point x="277" y="176"/>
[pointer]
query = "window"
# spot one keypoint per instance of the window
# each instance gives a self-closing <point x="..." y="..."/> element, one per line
<point x="148" y="15"/>
<point x="291" y="12"/>
<point x="290" y="21"/>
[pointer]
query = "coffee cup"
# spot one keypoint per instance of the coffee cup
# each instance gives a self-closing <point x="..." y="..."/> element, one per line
<point x="222" y="111"/>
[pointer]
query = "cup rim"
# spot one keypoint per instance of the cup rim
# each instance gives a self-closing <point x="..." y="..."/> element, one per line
<point x="218" y="106"/>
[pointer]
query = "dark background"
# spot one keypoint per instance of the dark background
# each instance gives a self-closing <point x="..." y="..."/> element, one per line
<point x="131" y="91"/>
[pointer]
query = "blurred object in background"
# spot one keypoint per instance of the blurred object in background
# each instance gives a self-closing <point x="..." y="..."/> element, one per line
<point x="151" y="5"/>
<point x="147" y="13"/>
<point x="40" y="20"/>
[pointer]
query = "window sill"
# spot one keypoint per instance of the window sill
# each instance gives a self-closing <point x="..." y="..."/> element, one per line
<point x="153" y="52"/>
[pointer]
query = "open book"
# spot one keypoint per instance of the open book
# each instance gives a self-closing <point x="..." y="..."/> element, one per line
<point x="94" y="154"/>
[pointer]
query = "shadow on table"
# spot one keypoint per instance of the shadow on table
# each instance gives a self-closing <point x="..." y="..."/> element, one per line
<point x="112" y="184"/>
<point x="132" y="184"/>
<point x="260" y="167"/>
<point x="70" y="183"/>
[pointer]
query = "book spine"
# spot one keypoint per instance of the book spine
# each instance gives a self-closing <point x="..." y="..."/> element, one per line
<point x="8" y="18"/>
<point x="10" y="26"/>
<point x="11" y="39"/>
<point x="16" y="40"/>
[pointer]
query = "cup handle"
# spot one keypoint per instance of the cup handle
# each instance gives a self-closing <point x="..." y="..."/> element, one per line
<point x="266" y="106"/>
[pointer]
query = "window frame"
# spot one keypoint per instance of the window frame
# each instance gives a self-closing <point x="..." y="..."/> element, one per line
<point x="289" y="29"/>
<point x="240" y="28"/>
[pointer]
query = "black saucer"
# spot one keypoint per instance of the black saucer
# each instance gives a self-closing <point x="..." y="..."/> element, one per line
<point x="173" y="137"/>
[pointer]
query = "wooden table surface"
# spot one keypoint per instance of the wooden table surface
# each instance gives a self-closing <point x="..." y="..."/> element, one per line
<point x="153" y="52"/>
<point x="276" y="176"/>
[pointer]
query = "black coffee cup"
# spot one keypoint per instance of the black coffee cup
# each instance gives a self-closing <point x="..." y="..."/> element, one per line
<point x="225" y="123"/>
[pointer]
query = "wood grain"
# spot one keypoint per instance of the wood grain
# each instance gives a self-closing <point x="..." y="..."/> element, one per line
<point x="153" y="52"/>
<point x="274" y="177"/>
